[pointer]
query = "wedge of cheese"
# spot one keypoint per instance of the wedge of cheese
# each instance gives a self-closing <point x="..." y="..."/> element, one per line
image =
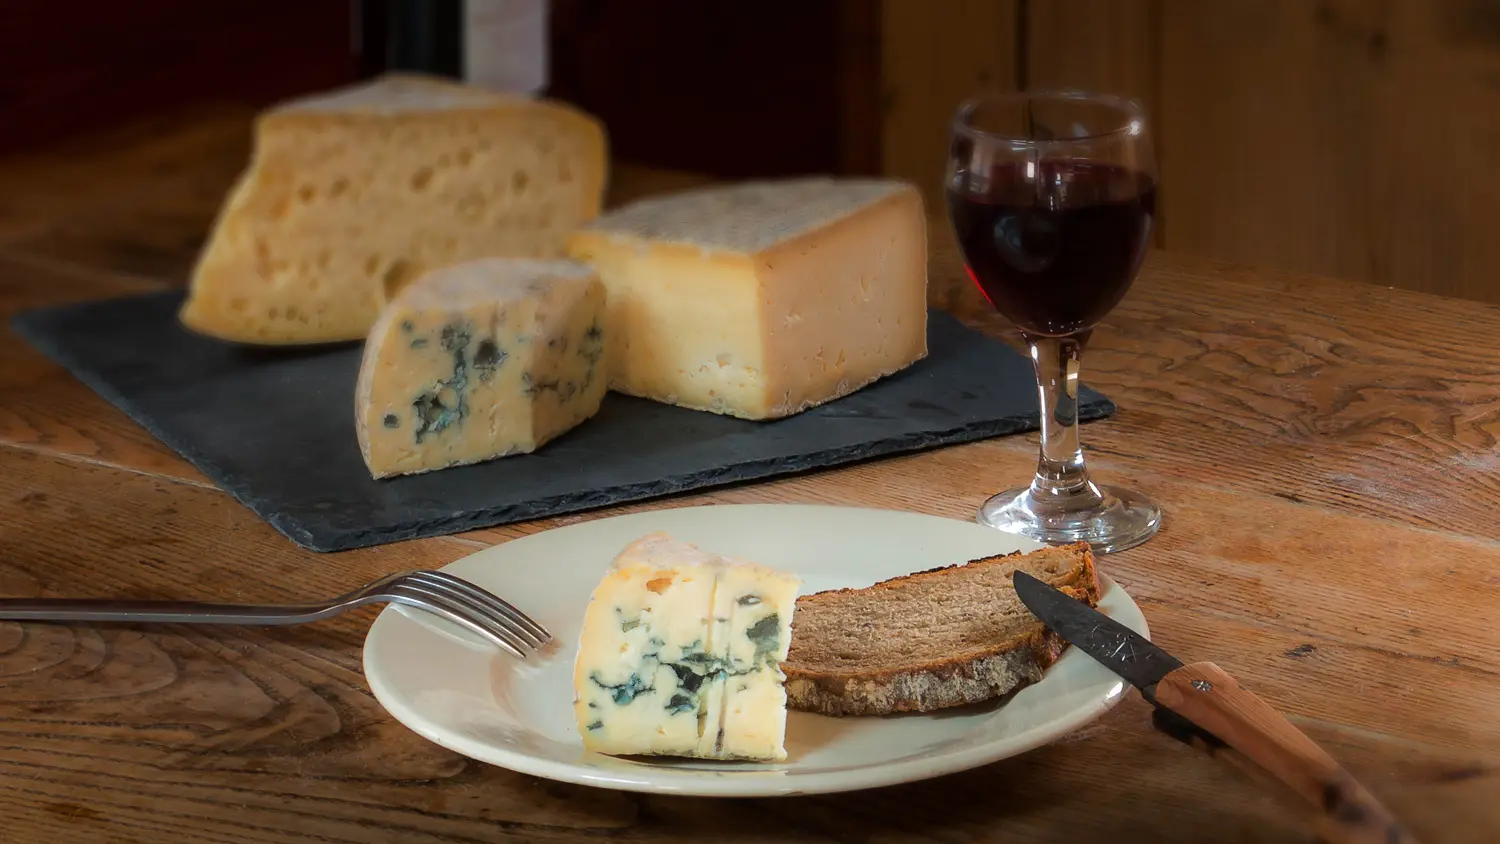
<point x="480" y="360"/>
<point x="353" y="193"/>
<point x="762" y="299"/>
<point x="680" y="655"/>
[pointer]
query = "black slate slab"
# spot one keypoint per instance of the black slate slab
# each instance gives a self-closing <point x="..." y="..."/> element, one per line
<point x="275" y="427"/>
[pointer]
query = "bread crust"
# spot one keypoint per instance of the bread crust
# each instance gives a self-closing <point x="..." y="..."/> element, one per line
<point x="966" y="678"/>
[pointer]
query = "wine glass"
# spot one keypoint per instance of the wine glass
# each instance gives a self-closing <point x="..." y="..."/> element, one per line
<point x="1052" y="195"/>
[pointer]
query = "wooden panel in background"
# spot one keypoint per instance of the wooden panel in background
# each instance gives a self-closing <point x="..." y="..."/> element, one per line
<point x="1354" y="138"/>
<point x="935" y="55"/>
<point x="1098" y="45"/>
<point x="1109" y="46"/>
<point x="860" y="51"/>
<point x="1358" y="138"/>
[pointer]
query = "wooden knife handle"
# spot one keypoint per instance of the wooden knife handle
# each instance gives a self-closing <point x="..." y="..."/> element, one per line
<point x="1346" y="812"/>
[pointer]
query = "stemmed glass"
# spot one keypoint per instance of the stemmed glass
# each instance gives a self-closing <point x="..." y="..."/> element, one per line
<point x="1052" y="196"/>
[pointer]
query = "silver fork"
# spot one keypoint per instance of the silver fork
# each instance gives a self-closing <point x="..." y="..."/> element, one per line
<point x="457" y="600"/>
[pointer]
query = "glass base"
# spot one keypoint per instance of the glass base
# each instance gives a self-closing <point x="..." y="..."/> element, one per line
<point x="1115" y="519"/>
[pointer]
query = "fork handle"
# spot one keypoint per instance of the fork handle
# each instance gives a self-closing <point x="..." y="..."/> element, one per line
<point x="167" y="612"/>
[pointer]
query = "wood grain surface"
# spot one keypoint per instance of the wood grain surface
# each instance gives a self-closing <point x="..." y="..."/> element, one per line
<point x="1325" y="453"/>
<point x="1259" y="740"/>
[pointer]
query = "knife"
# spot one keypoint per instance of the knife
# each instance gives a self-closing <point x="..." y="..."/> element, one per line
<point x="1201" y="705"/>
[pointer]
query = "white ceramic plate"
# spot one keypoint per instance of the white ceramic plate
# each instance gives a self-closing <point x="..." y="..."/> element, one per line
<point x="489" y="706"/>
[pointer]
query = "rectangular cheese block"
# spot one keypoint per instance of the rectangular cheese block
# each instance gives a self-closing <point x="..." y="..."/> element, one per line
<point x="762" y="299"/>
<point x="680" y="655"/>
<point x="480" y="360"/>
<point x="353" y="193"/>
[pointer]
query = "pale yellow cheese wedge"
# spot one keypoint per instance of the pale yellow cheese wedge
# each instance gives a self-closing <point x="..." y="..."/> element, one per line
<point x="762" y="299"/>
<point x="353" y="193"/>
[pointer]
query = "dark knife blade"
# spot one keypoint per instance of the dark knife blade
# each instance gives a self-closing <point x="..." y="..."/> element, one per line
<point x="1112" y="644"/>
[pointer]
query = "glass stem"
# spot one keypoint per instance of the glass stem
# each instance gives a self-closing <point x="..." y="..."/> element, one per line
<point x="1060" y="473"/>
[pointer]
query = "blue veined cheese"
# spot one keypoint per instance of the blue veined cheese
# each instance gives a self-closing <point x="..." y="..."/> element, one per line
<point x="753" y="608"/>
<point x="480" y="360"/>
<point x="764" y="298"/>
<point x="680" y="655"/>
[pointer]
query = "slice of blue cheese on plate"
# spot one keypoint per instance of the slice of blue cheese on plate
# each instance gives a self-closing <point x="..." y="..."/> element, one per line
<point x="680" y="655"/>
<point x="480" y="360"/>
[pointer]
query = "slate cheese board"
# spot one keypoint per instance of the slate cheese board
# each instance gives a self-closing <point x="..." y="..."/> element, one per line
<point x="275" y="427"/>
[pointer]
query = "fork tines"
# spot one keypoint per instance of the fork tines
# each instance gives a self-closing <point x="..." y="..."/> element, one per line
<point x="474" y="608"/>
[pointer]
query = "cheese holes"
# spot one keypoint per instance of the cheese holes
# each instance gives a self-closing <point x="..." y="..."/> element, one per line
<point x="399" y="274"/>
<point x="471" y="206"/>
<point x="263" y="256"/>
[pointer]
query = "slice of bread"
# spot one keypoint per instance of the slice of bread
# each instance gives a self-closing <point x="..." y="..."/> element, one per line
<point x="939" y="638"/>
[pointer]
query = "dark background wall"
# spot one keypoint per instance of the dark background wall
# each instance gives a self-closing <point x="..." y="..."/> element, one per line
<point x="1356" y="138"/>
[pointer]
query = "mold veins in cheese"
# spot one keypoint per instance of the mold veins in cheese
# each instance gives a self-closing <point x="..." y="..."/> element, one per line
<point x="762" y="299"/>
<point x="480" y="360"/>
<point x="680" y="655"/>
<point x="352" y="193"/>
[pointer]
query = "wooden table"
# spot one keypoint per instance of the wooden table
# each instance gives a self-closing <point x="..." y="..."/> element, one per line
<point x="1326" y="454"/>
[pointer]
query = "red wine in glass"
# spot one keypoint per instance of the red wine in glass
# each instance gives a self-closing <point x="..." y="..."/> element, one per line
<point x="1054" y="245"/>
<point x="1052" y="196"/>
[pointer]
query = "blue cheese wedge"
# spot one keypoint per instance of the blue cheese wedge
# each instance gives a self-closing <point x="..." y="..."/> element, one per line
<point x="480" y="360"/>
<point x="680" y="655"/>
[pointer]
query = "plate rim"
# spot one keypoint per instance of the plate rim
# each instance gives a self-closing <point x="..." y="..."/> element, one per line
<point x="730" y="784"/>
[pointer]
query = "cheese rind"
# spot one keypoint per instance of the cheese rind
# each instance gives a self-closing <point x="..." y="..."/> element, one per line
<point x="762" y="299"/>
<point x="680" y="655"/>
<point x="353" y="193"/>
<point x="480" y="360"/>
